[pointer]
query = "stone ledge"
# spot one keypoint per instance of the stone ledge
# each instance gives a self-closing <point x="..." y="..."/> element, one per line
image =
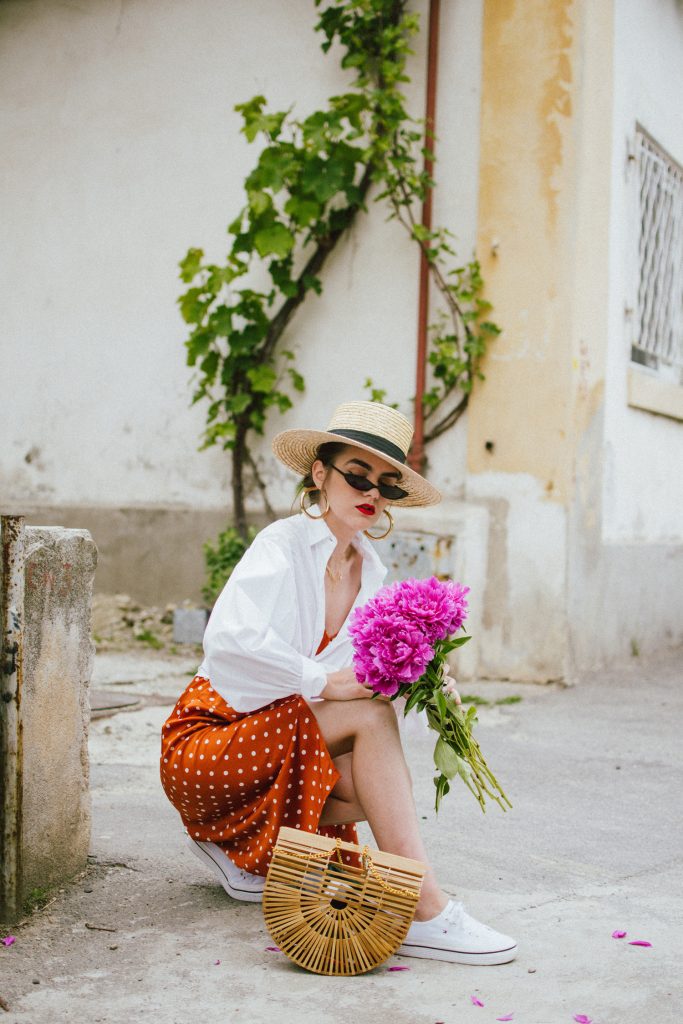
<point x="648" y="392"/>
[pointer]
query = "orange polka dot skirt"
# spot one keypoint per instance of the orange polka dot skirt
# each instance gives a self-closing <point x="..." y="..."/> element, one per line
<point x="236" y="777"/>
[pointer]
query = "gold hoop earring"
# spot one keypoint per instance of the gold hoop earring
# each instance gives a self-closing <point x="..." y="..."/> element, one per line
<point x="381" y="536"/>
<point x="309" y="490"/>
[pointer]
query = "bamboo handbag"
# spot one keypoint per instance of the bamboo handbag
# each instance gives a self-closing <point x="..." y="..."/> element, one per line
<point x="332" y="917"/>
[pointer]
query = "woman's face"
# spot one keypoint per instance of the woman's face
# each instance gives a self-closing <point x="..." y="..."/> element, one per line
<point x="356" y="510"/>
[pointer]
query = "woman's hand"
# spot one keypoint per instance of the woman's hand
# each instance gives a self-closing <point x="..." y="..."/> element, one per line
<point x="449" y="684"/>
<point x="343" y="685"/>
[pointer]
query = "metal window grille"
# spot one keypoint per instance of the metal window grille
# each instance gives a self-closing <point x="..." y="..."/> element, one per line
<point x="659" y="339"/>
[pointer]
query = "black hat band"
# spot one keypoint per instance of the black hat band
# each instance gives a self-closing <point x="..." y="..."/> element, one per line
<point x="380" y="444"/>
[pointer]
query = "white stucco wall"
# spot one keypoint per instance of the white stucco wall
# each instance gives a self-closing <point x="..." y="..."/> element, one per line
<point x="643" y="456"/>
<point x="121" y="150"/>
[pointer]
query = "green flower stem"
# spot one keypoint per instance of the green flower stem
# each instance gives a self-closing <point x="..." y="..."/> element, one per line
<point x="454" y="726"/>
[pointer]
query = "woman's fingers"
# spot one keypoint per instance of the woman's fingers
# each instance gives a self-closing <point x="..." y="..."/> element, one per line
<point x="449" y="685"/>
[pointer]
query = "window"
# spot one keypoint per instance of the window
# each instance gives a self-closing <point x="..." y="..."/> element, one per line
<point x="658" y="342"/>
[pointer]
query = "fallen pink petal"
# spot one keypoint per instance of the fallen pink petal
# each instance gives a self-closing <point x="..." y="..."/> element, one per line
<point x="9" y="940"/>
<point x="216" y="963"/>
<point x="398" y="968"/>
<point x="475" y="1001"/>
<point x="618" y="935"/>
<point x="640" y="942"/>
<point x="273" y="949"/>
<point x="508" y="1016"/>
<point x="582" y="1018"/>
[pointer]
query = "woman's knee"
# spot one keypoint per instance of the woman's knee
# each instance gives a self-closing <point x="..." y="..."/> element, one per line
<point x="378" y="715"/>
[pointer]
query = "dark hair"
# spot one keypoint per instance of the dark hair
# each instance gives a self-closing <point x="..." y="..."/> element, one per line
<point x="326" y="453"/>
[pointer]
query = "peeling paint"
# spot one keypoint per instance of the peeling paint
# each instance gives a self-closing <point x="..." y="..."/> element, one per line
<point x="556" y="103"/>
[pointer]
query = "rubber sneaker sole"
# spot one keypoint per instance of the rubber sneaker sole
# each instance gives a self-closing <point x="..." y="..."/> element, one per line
<point x="454" y="956"/>
<point x="215" y="860"/>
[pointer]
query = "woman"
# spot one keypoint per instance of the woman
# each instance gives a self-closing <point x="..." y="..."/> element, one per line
<point x="275" y="729"/>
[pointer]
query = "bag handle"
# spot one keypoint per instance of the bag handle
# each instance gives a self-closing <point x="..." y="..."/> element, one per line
<point x="368" y="867"/>
<point x="327" y="854"/>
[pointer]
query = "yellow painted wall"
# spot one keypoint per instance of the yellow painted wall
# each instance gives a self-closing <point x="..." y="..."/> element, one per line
<point x="527" y="239"/>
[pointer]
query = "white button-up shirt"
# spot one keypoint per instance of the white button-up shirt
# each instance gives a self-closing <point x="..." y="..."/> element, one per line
<point x="261" y="639"/>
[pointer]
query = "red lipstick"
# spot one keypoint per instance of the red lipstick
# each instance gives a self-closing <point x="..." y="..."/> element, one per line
<point x="367" y="510"/>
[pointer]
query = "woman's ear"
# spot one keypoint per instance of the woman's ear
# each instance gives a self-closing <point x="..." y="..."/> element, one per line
<point x="318" y="473"/>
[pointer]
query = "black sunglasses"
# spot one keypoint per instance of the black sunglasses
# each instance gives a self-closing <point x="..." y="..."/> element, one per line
<point x="361" y="483"/>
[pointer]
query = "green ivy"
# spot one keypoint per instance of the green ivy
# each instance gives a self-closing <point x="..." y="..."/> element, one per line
<point x="311" y="179"/>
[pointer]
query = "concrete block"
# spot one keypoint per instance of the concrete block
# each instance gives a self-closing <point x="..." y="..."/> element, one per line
<point x="449" y="540"/>
<point x="58" y="661"/>
<point x="189" y="625"/>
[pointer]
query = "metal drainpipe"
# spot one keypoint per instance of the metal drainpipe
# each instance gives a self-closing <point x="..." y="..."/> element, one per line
<point x="417" y="455"/>
<point x="11" y="750"/>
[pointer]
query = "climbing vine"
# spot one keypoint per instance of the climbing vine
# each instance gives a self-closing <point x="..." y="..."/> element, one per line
<point x="312" y="178"/>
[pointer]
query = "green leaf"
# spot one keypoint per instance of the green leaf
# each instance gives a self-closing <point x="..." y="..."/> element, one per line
<point x="250" y="108"/>
<point x="311" y="282"/>
<point x="450" y="645"/>
<point x="276" y="164"/>
<point x="262" y="378"/>
<point x="220" y="321"/>
<point x="464" y="770"/>
<point x="191" y="265"/>
<point x="257" y="420"/>
<point x="256" y="121"/>
<point x="325" y="178"/>
<point x="209" y="365"/>
<point x="259" y="202"/>
<point x="239" y="403"/>
<point x="446" y="759"/>
<point x="197" y="344"/>
<point x="193" y="306"/>
<point x="303" y="210"/>
<point x="282" y="401"/>
<point x="297" y="379"/>
<point x="235" y="226"/>
<point x="218" y="276"/>
<point x="412" y="700"/>
<point x="274" y="241"/>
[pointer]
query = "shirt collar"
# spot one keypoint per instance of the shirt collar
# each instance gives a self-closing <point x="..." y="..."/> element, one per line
<point x="317" y="529"/>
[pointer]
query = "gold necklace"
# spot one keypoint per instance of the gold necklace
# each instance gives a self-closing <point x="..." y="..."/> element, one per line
<point x="338" y="576"/>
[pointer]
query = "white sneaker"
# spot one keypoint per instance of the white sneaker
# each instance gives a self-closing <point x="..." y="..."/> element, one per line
<point x="457" y="938"/>
<point x="239" y="884"/>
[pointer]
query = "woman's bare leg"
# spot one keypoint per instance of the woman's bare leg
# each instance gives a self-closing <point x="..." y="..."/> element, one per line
<point x="342" y="806"/>
<point x="380" y="784"/>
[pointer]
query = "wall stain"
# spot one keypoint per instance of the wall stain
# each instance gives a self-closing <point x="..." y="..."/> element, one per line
<point x="556" y="102"/>
<point x="496" y="613"/>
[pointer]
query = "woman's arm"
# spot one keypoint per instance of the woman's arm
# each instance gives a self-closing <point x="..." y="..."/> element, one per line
<point x="251" y="643"/>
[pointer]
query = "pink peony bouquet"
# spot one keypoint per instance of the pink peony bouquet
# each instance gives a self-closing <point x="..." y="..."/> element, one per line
<point x="402" y="638"/>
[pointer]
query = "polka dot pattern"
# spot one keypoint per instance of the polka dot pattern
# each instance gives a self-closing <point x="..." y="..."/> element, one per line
<point x="235" y="778"/>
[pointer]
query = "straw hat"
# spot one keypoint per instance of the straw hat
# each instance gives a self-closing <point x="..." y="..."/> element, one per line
<point x="371" y="426"/>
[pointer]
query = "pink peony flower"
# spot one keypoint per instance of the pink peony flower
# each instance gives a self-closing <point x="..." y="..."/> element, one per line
<point x="438" y="607"/>
<point x="394" y="633"/>
<point x="388" y="649"/>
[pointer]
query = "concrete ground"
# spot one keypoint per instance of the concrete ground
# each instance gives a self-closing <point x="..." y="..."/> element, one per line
<point x="593" y="844"/>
